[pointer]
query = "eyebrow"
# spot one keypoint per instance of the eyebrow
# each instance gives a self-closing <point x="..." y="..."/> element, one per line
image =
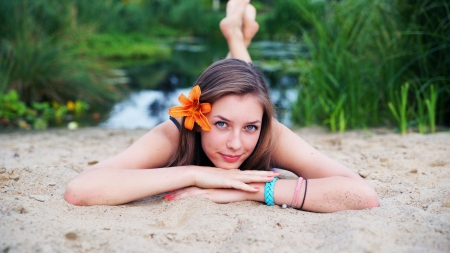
<point x="225" y="119"/>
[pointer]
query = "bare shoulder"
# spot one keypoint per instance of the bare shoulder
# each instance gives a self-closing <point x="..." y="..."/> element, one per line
<point x="152" y="150"/>
<point x="295" y="154"/>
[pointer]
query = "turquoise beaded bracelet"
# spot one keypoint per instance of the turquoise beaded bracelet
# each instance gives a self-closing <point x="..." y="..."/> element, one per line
<point x="268" y="192"/>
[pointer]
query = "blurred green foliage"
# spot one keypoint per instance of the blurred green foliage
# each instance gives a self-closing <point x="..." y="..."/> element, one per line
<point x="362" y="53"/>
<point x="16" y="114"/>
<point x="64" y="50"/>
<point x="39" y="59"/>
<point x="119" y="46"/>
<point x="358" y="54"/>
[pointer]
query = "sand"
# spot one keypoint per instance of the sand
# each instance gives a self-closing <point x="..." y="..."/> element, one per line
<point x="411" y="174"/>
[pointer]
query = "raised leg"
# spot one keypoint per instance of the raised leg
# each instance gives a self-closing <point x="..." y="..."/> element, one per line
<point x="239" y="27"/>
<point x="250" y="27"/>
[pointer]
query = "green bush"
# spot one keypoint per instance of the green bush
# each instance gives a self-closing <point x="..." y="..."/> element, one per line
<point x="16" y="114"/>
<point x="39" y="57"/>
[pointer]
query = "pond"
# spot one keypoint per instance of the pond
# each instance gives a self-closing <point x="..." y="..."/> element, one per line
<point x="156" y="86"/>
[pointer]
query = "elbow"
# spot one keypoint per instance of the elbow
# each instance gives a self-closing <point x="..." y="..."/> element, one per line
<point x="75" y="194"/>
<point x="370" y="198"/>
<point x="374" y="202"/>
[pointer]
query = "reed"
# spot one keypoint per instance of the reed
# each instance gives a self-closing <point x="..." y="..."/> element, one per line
<point x="366" y="52"/>
<point x="399" y="108"/>
<point x="303" y="108"/>
<point x="431" y="102"/>
<point x="341" y="64"/>
<point x="421" y="116"/>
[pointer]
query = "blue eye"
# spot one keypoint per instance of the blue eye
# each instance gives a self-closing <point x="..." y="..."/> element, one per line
<point x="251" y="128"/>
<point x="221" y="124"/>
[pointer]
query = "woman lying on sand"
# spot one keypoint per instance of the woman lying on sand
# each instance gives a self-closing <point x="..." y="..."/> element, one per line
<point x="222" y="146"/>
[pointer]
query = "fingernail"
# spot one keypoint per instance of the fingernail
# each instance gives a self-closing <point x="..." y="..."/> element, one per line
<point x="166" y="196"/>
<point x="171" y="199"/>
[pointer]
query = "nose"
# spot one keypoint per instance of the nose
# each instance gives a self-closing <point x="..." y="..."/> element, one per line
<point x="234" y="140"/>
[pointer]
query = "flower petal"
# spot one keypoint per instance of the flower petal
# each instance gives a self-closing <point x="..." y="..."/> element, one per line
<point x="184" y="100"/>
<point x="205" y="107"/>
<point x="192" y="110"/>
<point x="194" y="94"/>
<point x="189" y="122"/>
<point x="178" y="111"/>
<point x="202" y="121"/>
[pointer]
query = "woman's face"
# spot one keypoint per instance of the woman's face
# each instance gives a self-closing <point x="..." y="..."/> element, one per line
<point x="235" y="127"/>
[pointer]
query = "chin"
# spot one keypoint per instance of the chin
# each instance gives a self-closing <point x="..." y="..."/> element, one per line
<point x="228" y="166"/>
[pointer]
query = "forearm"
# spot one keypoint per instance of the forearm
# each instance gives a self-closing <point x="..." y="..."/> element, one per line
<point x="329" y="194"/>
<point x="107" y="186"/>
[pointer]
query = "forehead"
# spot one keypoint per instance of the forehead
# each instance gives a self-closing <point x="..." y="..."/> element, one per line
<point x="247" y="106"/>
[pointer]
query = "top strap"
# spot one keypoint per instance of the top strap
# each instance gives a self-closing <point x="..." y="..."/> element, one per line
<point x="175" y="122"/>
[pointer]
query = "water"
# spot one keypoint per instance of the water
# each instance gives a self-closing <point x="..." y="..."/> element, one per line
<point x="158" y="85"/>
<point x="146" y="109"/>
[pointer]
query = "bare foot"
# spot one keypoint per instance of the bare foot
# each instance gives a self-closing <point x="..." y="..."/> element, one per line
<point x="231" y="26"/>
<point x="250" y="26"/>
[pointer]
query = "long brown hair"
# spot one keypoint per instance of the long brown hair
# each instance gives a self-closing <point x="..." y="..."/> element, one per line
<point x="230" y="77"/>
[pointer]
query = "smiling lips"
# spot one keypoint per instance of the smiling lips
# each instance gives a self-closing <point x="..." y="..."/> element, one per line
<point x="230" y="158"/>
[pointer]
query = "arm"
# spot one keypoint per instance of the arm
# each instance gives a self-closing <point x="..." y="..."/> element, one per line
<point x="137" y="173"/>
<point x="104" y="182"/>
<point x="324" y="195"/>
<point x="331" y="186"/>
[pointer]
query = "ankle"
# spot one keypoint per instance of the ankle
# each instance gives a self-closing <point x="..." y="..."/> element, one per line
<point x="230" y="31"/>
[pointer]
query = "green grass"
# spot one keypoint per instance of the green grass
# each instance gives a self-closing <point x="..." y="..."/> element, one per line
<point x="399" y="108"/>
<point x="431" y="108"/>
<point x="124" y="47"/>
<point x="361" y="54"/>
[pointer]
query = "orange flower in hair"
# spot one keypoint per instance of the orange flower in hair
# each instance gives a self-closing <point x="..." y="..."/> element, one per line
<point x="192" y="109"/>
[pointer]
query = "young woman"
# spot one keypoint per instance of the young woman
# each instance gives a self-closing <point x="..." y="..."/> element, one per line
<point x="222" y="146"/>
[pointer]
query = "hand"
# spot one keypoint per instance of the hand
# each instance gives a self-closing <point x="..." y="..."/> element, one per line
<point x="211" y="177"/>
<point x="220" y="196"/>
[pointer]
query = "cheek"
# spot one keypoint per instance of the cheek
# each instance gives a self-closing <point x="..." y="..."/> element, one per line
<point x="251" y="142"/>
<point x="205" y="142"/>
<point x="210" y="140"/>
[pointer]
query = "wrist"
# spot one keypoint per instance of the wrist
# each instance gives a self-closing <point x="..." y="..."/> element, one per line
<point x="191" y="174"/>
<point x="256" y="196"/>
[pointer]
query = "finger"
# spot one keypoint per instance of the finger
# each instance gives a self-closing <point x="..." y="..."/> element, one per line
<point x="261" y="173"/>
<point x="254" y="178"/>
<point x="186" y="192"/>
<point x="244" y="187"/>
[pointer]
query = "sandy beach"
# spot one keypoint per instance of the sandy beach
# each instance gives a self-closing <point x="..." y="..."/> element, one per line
<point x="410" y="173"/>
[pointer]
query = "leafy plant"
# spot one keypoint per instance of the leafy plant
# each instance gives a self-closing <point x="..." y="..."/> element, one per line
<point x="421" y="115"/>
<point x="11" y="107"/>
<point x="399" y="108"/>
<point x="39" y="116"/>
<point x="431" y="108"/>
<point x="336" y="114"/>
